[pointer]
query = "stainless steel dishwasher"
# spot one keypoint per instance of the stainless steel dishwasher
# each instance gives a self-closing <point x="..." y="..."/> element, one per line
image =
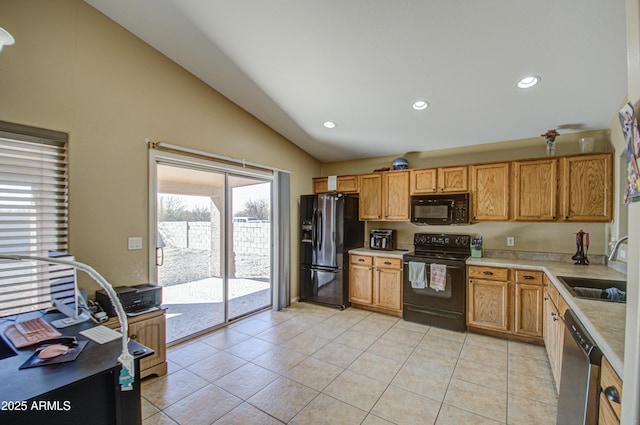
<point x="579" y="380"/>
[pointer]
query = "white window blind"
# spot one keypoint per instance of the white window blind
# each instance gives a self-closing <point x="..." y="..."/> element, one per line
<point x="33" y="212"/>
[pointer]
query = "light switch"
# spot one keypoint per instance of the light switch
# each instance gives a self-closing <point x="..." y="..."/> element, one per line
<point x="134" y="242"/>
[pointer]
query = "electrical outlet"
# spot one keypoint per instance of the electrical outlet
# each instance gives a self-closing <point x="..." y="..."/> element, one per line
<point x="511" y="241"/>
<point x="134" y="242"/>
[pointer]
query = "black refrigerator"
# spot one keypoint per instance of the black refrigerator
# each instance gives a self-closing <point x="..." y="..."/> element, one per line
<point x="329" y="228"/>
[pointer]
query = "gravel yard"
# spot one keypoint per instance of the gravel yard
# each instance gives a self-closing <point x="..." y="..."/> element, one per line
<point x="183" y="265"/>
<point x="195" y="299"/>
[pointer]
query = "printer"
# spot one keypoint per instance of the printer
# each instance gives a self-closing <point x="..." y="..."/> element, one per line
<point x="134" y="299"/>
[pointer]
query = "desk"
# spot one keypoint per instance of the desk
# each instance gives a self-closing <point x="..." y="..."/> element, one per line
<point x="85" y="390"/>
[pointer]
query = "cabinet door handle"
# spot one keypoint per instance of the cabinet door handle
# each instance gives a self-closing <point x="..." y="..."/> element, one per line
<point x="387" y="262"/>
<point x="361" y="260"/>
<point x="134" y="336"/>
<point x="612" y="394"/>
<point x="488" y="273"/>
<point x="528" y="277"/>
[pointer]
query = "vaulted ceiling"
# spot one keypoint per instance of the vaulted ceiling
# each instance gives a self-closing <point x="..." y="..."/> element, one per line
<point x="295" y="64"/>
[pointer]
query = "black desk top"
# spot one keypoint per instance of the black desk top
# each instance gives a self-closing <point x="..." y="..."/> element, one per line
<point x="26" y="384"/>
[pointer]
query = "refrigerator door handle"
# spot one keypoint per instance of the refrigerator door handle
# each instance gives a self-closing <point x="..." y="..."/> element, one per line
<point x="321" y="230"/>
<point x="314" y="229"/>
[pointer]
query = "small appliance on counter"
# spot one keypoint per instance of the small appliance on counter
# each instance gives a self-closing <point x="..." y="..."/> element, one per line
<point x="582" y="248"/>
<point x="382" y="239"/>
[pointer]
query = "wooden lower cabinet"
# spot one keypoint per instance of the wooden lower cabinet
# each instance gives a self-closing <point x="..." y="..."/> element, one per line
<point x="375" y="283"/>
<point x="528" y="303"/>
<point x="361" y="279"/>
<point x="488" y="304"/>
<point x="148" y="329"/>
<point x="505" y="306"/>
<point x="387" y="283"/>
<point x="611" y="385"/>
<point x="553" y="325"/>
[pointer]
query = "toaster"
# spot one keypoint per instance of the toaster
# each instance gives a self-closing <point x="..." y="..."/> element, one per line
<point x="382" y="239"/>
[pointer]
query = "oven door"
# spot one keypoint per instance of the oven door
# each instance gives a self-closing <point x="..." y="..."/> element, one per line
<point x="453" y="297"/>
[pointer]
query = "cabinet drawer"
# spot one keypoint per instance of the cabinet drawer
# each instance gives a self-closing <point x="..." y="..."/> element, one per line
<point x="489" y="273"/>
<point x="609" y="378"/>
<point x="530" y="277"/>
<point x="364" y="260"/>
<point x="388" y="263"/>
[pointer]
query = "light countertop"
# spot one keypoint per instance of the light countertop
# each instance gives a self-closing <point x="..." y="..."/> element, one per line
<point x="378" y="252"/>
<point x="605" y="321"/>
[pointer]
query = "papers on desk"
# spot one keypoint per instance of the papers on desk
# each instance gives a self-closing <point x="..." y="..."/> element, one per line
<point x="101" y="334"/>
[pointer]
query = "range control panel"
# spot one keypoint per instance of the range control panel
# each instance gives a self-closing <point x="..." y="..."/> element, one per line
<point x="441" y="240"/>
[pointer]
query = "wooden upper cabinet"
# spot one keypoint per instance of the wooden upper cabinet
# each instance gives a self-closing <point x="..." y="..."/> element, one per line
<point x="395" y="196"/>
<point x="587" y="182"/>
<point x="370" y="196"/>
<point x="439" y="180"/>
<point x="535" y="191"/>
<point x="348" y="184"/>
<point x="384" y="196"/>
<point x="490" y="191"/>
<point x="344" y="184"/>
<point x="453" y="179"/>
<point x="423" y="181"/>
<point x="320" y="185"/>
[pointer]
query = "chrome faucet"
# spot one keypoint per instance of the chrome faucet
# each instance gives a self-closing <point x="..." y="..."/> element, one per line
<point x="614" y="251"/>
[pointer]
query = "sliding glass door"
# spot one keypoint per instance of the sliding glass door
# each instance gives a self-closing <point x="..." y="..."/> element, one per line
<point x="249" y="272"/>
<point x="213" y="243"/>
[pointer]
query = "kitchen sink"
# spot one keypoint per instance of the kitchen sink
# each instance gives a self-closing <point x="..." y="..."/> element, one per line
<point x="596" y="289"/>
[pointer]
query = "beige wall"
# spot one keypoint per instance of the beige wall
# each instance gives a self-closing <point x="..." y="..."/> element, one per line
<point x="534" y="237"/>
<point x="74" y="70"/>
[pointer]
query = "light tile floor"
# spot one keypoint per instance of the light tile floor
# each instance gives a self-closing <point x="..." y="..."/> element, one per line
<point x="310" y="364"/>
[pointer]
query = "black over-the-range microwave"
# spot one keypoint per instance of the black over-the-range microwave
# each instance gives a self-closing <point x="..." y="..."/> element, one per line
<point x="442" y="209"/>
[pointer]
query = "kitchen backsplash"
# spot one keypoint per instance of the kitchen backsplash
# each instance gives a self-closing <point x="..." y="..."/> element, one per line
<point x="551" y="238"/>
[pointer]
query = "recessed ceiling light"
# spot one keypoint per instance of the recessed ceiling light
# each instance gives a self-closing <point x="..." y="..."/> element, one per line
<point x="420" y="105"/>
<point x="329" y="124"/>
<point x="529" y="81"/>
